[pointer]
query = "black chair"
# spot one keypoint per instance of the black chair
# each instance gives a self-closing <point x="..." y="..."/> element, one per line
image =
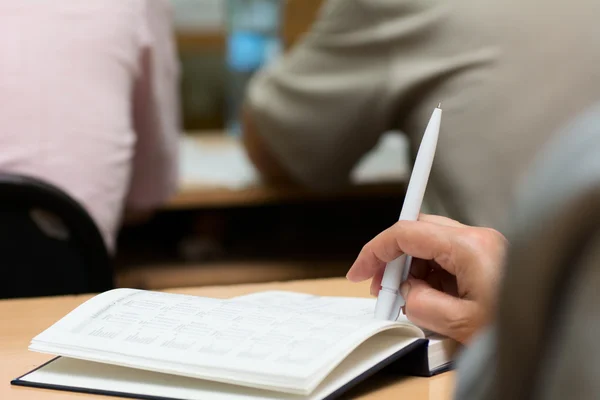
<point x="49" y="244"/>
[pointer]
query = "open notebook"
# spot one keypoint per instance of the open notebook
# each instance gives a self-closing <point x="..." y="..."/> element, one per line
<point x="268" y="345"/>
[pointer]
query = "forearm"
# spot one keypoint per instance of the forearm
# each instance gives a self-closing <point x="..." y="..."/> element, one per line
<point x="261" y="156"/>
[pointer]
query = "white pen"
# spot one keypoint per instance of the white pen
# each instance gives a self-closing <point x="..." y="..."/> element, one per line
<point x="389" y="300"/>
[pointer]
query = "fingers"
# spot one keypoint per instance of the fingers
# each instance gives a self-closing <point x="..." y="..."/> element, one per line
<point x="438" y="311"/>
<point x="438" y="219"/>
<point x="376" y="282"/>
<point x="419" y="239"/>
<point x="384" y="248"/>
<point x="366" y="265"/>
<point x="420" y="269"/>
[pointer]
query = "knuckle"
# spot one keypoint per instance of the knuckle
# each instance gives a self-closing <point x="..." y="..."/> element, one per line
<point x="458" y="320"/>
<point x="459" y="325"/>
<point x="367" y="251"/>
<point x="468" y="321"/>
<point x="487" y="238"/>
<point x="496" y="235"/>
<point x="398" y="228"/>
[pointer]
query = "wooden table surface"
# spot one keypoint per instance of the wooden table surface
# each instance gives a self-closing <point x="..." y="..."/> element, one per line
<point x="207" y="196"/>
<point x="21" y="320"/>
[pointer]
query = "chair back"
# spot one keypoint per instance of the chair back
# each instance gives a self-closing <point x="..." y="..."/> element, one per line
<point x="49" y="244"/>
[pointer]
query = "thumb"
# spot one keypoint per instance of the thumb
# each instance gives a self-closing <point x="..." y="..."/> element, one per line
<point x="437" y="311"/>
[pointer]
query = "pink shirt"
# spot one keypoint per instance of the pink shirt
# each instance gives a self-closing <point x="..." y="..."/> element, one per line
<point x="88" y="101"/>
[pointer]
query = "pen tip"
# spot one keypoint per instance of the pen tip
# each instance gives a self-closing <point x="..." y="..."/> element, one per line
<point x="439" y="105"/>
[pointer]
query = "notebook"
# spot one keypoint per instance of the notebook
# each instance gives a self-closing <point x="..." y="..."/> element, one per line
<point x="268" y="345"/>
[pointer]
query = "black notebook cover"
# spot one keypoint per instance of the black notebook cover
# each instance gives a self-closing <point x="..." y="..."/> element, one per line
<point x="410" y="361"/>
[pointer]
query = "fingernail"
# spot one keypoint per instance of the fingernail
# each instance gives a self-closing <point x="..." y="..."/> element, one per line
<point x="355" y="279"/>
<point x="353" y="276"/>
<point x="349" y="274"/>
<point x="350" y="277"/>
<point x="404" y="289"/>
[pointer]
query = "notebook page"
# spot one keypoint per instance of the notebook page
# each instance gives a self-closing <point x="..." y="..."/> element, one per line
<point x="337" y="307"/>
<point x="255" y="343"/>
<point x="351" y="306"/>
<point x="127" y="381"/>
<point x="440" y="351"/>
<point x="355" y="307"/>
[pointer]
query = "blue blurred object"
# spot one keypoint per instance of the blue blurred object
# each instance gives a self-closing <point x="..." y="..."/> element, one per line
<point x="253" y="40"/>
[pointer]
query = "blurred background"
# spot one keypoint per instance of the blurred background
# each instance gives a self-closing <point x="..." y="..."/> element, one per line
<point x="126" y="86"/>
<point x="224" y="226"/>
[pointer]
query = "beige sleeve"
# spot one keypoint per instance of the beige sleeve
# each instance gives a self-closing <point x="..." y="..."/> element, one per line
<point x="325" y="103"/>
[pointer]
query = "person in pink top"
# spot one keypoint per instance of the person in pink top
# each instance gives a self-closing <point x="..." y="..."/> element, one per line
<point x="89" y="102"/>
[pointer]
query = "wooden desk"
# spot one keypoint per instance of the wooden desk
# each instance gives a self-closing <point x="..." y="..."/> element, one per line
<point x="21" y="320"/>
<point x="194" y="193"/>
<point x="206" y="196"/>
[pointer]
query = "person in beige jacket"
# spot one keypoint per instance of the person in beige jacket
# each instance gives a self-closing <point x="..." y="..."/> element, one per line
<point x="508" y="74"/>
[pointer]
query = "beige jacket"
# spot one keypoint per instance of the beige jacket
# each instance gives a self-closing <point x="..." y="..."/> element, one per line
<point x="508" y="74"/>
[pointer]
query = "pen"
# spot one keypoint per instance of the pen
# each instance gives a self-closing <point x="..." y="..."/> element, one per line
<point x="389" y="300"/>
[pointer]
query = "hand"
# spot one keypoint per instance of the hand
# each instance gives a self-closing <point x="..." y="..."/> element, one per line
<point x="455" y="273"/>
